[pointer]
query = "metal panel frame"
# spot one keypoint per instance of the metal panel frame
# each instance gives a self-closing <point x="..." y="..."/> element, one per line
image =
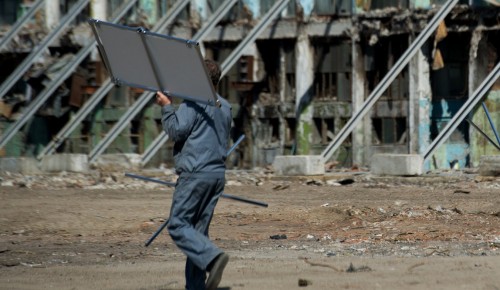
<point x="151" y="68"/>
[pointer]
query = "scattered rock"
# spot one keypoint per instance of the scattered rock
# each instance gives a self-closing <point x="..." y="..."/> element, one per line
<point x="333" y="182"/>
<point x="461" y="191"/>
<point x="7" y="183"/>
<point x="278" y="237"/>
<point x="346" y="181"/>
<point x="281" y="186"/>
<point x="233" y="183"/>
<point x="19" y="232"/>
<point x="32" y="265"/>
<point x="314" y="182"/>
<point x="9" y="263"/>
<point x="147" y="227"/>
<point x="304" y="282"/>
<point x="353" y="269"/>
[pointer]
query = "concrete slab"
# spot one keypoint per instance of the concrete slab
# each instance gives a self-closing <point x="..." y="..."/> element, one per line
<point x="65" y="162"/>
<point x="117" y="162"/>
<point x="397" y="164"/>
<point x="489" y="165"/>
<point x="298" y="165"/>
<point x="24" y="165"/>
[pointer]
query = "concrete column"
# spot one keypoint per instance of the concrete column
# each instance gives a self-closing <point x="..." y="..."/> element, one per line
<point x="52" y="13"/>
<point x="478" y="62"/>
<point x="478" y="70"/>
<point x="282" y="85"/>
<point x="199" y="12"/>
<point x="420" y="106"/>
<point x="99" y="9"/>
<point x="258" y="67"/>
<point x="361" y="135"/>
<point x="304" y="77"/>
<point x="253" y="7"/>
<point x="150" y="10"/>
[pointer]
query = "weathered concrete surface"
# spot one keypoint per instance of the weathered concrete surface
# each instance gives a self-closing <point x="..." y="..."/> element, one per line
<point x="397" y="164"/>
<point x="441" y="231"/>
<point x="117" y="162"/>
<point x="489" y="165"/>
<point x="299" y="165"/>
<point x="65" y="162"/>
<point x="24" y="165"/>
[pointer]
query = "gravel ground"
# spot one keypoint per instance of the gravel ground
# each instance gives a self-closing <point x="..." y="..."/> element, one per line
<point x="344" y="230"/>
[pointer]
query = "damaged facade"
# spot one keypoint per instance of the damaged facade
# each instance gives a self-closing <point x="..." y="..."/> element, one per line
<point x="292" y="89"/>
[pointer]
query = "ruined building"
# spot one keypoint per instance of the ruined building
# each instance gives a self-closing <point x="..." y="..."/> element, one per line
<point x="299" y="74"/>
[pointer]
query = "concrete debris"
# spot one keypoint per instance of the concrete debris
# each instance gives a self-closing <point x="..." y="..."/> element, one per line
<point x="278" y="237"/>
<point x="462" y="191"/>
<point x="304" y="282"/>
<point x="281" y="186"/>
<point x="32" y="265"/>
<point x="333" y="183"/>
<point x="234" y="183"/>
<point x="94" y="179"/>
<point x="346" y="181"/>
<point x="148" y="227"/>
<point x="314" y="182"/>
<point x="353" y="269"/>
<point x="28" y="38"/>
<point x="9" y="263"/>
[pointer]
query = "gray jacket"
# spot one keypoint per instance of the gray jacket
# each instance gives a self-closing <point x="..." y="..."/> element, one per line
<point x="200" y="133"/>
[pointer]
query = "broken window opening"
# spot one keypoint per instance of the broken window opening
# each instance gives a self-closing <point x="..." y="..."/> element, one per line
<point x="269" y="64"/>
<point x="450" y="81"/>
<point x="380" y="55"/>
<point x="389" y="131"/>
<point x="449" y="85"/>
<point x="290" y="88"/>
<point x="325" y="86"/>
<point x="290" y="133"/>
<point x="267" y="132"/>
<point x="326" y="128"/>
<point x="289" y="71"/>
<point x="9" y="11"/>
<point x="493" y="54"/>
<point x="381" y="4"/>
<point x="332" y="62"/>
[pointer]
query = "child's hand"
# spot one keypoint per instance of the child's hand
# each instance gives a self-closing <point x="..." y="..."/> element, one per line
<point x="162" y="99"/>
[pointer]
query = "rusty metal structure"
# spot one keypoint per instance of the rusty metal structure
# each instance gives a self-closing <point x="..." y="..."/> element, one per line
<point x="344" y="79"/>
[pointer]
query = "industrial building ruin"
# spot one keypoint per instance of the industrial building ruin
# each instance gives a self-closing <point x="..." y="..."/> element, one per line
<point x="343" y="80"/>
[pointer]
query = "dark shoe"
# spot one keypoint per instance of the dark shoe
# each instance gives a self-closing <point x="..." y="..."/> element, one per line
<point x="215" y="273"/>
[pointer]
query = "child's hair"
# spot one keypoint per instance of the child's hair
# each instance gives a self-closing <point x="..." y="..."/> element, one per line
<point x="213" y="71"/>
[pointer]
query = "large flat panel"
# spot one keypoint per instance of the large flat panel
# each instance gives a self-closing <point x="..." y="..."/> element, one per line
<point x="155" y="62"/>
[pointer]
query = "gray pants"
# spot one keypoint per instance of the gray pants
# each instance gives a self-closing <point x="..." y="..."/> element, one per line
<point x="193" y="204"/>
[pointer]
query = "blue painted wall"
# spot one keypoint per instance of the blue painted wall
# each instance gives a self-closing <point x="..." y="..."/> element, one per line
<point x="456" y="148"/>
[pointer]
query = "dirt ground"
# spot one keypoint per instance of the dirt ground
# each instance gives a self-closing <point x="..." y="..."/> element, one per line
<point x="347" y="230"/>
